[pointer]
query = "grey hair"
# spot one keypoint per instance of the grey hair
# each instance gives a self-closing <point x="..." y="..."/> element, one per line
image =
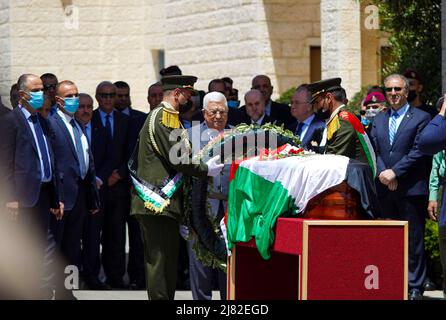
<point x="214" y="96"/>
<point x="398" y="76"/>
<point x="23" y="81"/>
<point x="254" y="91"/>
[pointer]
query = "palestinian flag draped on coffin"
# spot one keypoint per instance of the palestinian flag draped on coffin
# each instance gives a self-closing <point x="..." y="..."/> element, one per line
<point x="261" y="191"/>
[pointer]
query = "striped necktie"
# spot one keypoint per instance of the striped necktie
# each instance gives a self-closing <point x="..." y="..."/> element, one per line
<point x="392" y="127"/>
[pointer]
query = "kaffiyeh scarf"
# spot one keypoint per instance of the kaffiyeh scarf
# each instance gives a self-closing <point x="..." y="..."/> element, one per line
<point x="155" y="198"/>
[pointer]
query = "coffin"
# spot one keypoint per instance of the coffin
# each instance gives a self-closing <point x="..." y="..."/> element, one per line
<point x="340" y="202"/>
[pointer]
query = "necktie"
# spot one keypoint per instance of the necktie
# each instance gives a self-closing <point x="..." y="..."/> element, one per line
<point x="392" y="127"/>
<point x="299" y="129"/>
<point x="79" y="149"/>
<point x="88" y="133"/>
<point x="108" y="127"/>
<point x="109" y="137"/>
<point x="42" y="146"/>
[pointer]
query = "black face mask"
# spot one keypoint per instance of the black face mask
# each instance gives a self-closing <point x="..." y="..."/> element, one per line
<point x="186" y="107"/>
<point x="412" y="95"/>
<point x="323" y="115"/>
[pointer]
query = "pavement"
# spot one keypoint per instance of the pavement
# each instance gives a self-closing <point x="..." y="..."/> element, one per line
<point x="180" y="295"/>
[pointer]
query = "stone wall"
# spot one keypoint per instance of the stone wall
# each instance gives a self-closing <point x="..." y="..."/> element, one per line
<point x="112" y="42"/>
<point x="341" y="43"/>
<point x="242" y="38"/>
<point x="120" y="40"/>
<point x="5" y="51"/>
<point x="293" y="26"/>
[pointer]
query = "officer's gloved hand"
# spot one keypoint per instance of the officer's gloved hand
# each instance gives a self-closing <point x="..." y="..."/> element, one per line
<point x="213" y="167"/>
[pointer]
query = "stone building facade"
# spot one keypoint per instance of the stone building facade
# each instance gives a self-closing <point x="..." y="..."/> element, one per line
<point x="87" y="41"/>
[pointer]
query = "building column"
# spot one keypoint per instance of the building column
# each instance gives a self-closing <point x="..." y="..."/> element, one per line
<point x="341" y="43"/>
<point x="443" y="45"/>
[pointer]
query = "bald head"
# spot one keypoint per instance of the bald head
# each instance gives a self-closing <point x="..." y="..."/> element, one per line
<point x="255" y="104"/>
<point x="263" y="84"/>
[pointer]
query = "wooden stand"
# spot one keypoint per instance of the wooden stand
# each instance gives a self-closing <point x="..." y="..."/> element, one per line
<point x="323" y="259"/>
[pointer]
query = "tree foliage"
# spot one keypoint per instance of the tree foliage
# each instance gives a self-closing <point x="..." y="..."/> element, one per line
<point x="415" y="39"/>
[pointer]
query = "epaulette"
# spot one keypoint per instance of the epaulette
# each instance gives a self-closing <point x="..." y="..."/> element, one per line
<point x="171" y="118"/>
<point x="332" y="127"/>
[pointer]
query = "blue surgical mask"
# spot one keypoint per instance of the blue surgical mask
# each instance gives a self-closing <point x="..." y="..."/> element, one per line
<point x="71" y="104"/>
<point x="365" y="122"/>
<point x="36" y="99"/>
<point x="233" y="104"/>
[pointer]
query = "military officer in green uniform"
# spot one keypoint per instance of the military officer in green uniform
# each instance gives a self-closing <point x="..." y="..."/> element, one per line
<point x="344" y="133"/>
<point x="158" y="166"/>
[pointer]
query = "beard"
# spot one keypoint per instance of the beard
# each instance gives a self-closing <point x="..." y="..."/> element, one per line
<point x="186" y="107"/>
<point x="323" y="115"/>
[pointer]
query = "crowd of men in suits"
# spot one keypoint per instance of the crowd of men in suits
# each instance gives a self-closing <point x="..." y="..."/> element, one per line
<point x="66" y="176"/>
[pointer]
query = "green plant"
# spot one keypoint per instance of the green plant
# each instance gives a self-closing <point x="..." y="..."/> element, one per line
<point x="354" y="104"/>
<point x="415" y="40"/>
<point x="286" y="96"/>
<point x="431" y="240"/>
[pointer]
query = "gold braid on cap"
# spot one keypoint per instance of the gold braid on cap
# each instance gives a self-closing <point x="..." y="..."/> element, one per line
<point x="319" y="92"/>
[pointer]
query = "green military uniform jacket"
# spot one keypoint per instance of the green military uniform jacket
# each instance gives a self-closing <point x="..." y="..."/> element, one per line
<point x="342" y="138"/>
<point x="153" y="158"/>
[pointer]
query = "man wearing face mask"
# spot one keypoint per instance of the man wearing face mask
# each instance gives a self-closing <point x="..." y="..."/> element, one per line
<point x="374" y="103"/>
<point x="161" y="167"/>
<point x="28" y="171"/>
<point x="75" y="165"/>
<point x="415" y="91"/>
<point x="343" y="128"/>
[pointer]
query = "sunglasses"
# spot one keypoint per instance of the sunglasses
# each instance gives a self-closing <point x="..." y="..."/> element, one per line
<point x="49" y="87"/>
<point x="397" y="89"/>
<point x="107" y="95"/>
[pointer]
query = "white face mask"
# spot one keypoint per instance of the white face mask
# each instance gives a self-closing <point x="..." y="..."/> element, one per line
<point x="371" y="113"/>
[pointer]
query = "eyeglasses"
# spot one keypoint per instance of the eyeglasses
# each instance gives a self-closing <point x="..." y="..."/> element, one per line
<point x="107" y="95"/>
<point x="397" y="89"/>
<point x="215" y="112"/>
<point x="49" y="87"/>
<point x="123" y="95"/>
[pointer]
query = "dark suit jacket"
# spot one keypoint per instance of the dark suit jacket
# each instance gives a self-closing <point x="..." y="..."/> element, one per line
<point x="404" y="156"/>
<point x="267" y="119"/>
<point x="279" y="111"/>
<point x="136" y="113"/>
<point x="135" y="125"/>
<point x="315" y="125"/>
<point x="433" y="137"/>
<point x="68" y="165"/>
<point x="4" y="110"/>
<point x="20" y="170"/>
<point x="106" y="160"/>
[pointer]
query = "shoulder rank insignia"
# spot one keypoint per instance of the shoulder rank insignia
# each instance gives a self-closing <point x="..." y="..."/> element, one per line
<point x="332" y="127"/>
<point x="171" y="118"/>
